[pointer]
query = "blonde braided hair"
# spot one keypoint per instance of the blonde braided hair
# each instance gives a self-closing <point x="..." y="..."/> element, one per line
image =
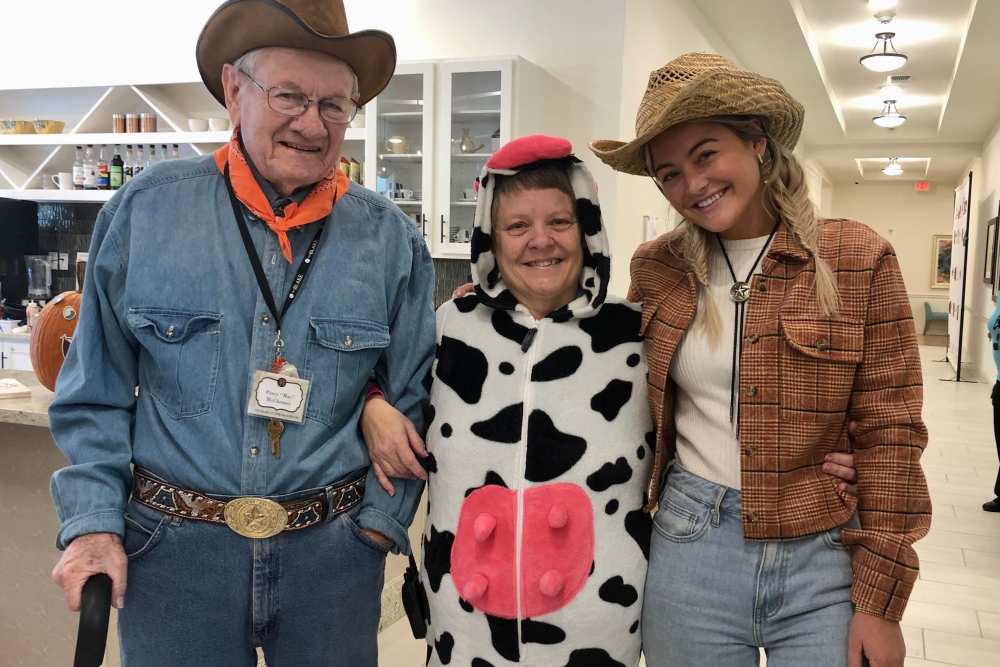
<point x="786" y="198"/>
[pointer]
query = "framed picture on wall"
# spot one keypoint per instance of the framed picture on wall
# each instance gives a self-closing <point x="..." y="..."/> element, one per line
<point x="940" y="261"/>
<point x="989" y="263"/>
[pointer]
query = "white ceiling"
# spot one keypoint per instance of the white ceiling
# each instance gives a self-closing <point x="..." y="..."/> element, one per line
<point x="952" y="100"/>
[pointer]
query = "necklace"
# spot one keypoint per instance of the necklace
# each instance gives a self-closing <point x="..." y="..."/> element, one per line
<point x="739" y="292"/>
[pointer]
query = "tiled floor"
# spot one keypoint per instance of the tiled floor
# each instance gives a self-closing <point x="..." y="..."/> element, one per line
<point x="954" y="615"/>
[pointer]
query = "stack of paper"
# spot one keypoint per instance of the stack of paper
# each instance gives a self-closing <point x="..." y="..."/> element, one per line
<point x="11" y="388"/>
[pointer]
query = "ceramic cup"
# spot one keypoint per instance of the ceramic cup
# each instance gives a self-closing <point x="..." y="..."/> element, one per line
<point x="197" y="124"/>
<point x="64" y="180"/>
<point x="218" y="124"/>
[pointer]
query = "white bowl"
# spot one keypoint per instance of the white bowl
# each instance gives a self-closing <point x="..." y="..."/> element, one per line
<point x="197" y="124"/>
<point x="218" y="124"/>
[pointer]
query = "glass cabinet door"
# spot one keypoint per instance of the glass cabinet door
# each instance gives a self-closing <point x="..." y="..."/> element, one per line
<point x="477" y="118"/>
<point x="403" y="138"/>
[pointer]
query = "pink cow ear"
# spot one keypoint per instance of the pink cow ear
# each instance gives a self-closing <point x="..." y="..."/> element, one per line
<point x="532" y="148"/>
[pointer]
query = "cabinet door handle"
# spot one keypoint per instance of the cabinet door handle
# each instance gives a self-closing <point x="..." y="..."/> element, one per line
<point x="443" y="223"/>
<point x="423" y="225"/>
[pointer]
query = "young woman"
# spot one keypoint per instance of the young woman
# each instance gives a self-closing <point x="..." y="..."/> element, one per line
<point x="766" y="331"/>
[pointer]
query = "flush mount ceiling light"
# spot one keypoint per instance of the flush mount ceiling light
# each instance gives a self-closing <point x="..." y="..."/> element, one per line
<point x="885" y="60"/>
<point x="893" y="168"/>
<point x="890" y="117"/>
<point x="883" y="10"/>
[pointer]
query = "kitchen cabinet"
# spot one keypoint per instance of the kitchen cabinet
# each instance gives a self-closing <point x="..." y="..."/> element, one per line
<point x="15" y="353"/>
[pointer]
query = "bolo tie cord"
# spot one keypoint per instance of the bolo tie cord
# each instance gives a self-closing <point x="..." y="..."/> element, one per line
<point x="739" y="292"/>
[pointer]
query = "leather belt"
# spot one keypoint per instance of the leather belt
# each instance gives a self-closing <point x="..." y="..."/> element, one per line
<point x="250" y="516"/>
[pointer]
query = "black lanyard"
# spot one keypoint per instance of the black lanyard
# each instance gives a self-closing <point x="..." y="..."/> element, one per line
<point x="258" y="269"/>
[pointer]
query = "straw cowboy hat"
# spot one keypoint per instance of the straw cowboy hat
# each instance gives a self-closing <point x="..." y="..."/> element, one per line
<point x="701" y="85"/>
<point x="239" y="26"/>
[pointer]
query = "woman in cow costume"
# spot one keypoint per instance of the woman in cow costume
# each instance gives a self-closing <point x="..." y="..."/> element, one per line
<point x="540" y="441"/>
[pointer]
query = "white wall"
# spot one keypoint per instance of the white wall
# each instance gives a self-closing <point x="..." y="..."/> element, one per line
<point x="656" y="32"/>
<point x="907" y="219"/>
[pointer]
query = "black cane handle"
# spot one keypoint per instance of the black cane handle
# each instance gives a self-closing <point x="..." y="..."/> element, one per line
<point x="95" y="608"/>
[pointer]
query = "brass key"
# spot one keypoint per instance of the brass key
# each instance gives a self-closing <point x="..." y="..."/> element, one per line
<point x="274" y="430"/>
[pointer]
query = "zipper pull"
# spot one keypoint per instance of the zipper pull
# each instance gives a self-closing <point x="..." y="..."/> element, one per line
<point x="527" y="340"/>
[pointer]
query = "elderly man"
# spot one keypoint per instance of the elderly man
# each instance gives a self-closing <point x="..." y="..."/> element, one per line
<point x="249" y="295"/>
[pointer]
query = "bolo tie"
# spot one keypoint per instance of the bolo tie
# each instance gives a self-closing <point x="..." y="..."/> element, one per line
<point x="739" y="292"/>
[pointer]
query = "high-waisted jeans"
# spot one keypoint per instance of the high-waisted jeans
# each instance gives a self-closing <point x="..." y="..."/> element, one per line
<point x="713" y="597"/>
<point x="199" y="594"/>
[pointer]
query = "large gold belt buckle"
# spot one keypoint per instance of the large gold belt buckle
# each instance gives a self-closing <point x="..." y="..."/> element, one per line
<point x="255" y="517"/>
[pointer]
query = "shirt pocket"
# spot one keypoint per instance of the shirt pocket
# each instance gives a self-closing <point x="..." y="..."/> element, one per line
<point x="179" y="359"/>
<point x="818" y="363"/>
<point x="340" y="357"/>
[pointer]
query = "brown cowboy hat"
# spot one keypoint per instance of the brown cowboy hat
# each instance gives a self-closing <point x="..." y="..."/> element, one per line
<point x="702" y="85"/>
<point x="240" y="26"/>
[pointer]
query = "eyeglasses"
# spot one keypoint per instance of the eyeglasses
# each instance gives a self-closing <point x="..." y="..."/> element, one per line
<point x="339" y="110"/>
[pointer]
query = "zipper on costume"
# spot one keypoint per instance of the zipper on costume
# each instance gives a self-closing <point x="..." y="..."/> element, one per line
<point x="527" y="396"/>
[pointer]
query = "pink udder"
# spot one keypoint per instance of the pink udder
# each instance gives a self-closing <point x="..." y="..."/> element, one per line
<point x="556" y="555"/>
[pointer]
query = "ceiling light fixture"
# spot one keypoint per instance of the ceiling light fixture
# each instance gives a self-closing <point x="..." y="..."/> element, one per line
<point x="890" y="91"/>
<point x="890" y="116"/>
<point x="883" y="10"/>
<point x="885" y="60"/>
<point x="893" y="168"/>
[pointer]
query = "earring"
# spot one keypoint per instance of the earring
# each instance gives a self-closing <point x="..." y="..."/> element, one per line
<point x="760" y="160"/>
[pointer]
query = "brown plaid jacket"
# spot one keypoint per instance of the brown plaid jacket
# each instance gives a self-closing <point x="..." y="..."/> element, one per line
<point x="803" y="378"/>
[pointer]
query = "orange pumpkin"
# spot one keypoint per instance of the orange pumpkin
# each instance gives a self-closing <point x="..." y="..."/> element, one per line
<point x="51" y="336"/>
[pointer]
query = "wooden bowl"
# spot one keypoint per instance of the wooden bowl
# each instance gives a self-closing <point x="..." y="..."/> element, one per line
<point x="11" y="126"/>
<point x="48" y="126"/>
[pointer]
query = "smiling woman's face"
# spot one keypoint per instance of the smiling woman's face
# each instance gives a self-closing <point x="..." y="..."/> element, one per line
<point x="711" y="177"/>
<point x="538" y="248"/>
<point x="290" y="152"/>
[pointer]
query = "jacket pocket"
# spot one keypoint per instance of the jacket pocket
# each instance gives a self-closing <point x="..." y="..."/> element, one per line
<point x="826" y="340"/>
<point x="179" y="361"/>
<point x="339" y="359"/>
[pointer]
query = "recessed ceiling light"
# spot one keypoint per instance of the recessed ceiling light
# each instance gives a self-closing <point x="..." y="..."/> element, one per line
<point x="893" y="168"/>
<point x="885" y="60"/>
<point x="889" y="117"/>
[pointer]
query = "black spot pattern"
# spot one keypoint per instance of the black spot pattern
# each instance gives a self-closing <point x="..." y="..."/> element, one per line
<point x="504" y="325"/>
<point x="437" y="556"/>
<point x="492" y="478"/>
<point x="467" y="303"/>
<point x="633" y="360"/>
<point x="616" y="591"/>
<point x="592" y="657"/>
<point x="503" y="635"/>
<point x="430" y="652"/>
<point x="559" y="364"/>
<point x="479" y="662"/>
<point x="550" y="452"/>
<point x="588" y="216"/>
<point x="589" y="282"/>
<point x="429" y="463"/>
<point x="536" y="632"/>
<point x="611" y="507"/>
<point x="633" y="628"/>
<point x="651" y="439"/>
<point x="478" y="244"/>
<point x="610" y="400"/>
<point x="504" y="426"/>
<point x="593" y="564"/>
<point x="614" y="325"/>
<point x="563" y="314"/>
<point x="463" y="368"/>
<point x="506" y="368"/>
<point x="610" y="474"/>
<point x="465" y="605"/>
<point x="640" y="452"/>
<point x="638" y="525"/>
<point x="444" y="645"/>
<point x="446" y="430"/>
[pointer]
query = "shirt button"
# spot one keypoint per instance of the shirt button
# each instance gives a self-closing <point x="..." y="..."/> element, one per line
<point x="761" y="285"/>
<point x="751" y="516"/>
<point x="170" y="331"/>
<point x="254" y="451"/>
<point x="748" y="451"/>
<point x="751" y="391"/>
<point x="348" y="342"/>
<point x="265" y="319"/>
<point x="822" y="345"/>
<point x="753" y="338"/>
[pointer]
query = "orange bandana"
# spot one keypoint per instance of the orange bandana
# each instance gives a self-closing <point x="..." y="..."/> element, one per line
<point x="316" y="206"/>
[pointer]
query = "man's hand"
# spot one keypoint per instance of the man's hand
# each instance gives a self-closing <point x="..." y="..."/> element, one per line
<point x="378" y="538"/>
<point x="392" y="441"/>
<point x="877" y="639"/>
<point x="86" y="556"/>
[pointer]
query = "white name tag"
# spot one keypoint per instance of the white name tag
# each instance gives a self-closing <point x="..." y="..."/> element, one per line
<point x="277" y="396"/>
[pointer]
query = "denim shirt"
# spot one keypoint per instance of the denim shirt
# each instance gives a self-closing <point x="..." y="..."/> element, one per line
<point x="171" y="306"/>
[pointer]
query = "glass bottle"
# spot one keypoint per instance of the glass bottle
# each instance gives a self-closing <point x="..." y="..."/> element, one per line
<point x="103" y="175"/>
<point x="116" y="173"/>
<point x="140" y="161"/>
<point x="175" y="152"/>
<point x="89" y="169"/>
<point x="78" y="175"/>
<point x="127" y="167"/>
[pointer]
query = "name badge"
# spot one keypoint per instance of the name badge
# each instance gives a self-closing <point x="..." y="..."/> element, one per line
<point x="278" y="396"/>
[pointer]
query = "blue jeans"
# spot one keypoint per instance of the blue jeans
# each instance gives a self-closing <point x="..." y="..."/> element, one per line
<point x="199" y="594"/>
<point x="713" y="597"/>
